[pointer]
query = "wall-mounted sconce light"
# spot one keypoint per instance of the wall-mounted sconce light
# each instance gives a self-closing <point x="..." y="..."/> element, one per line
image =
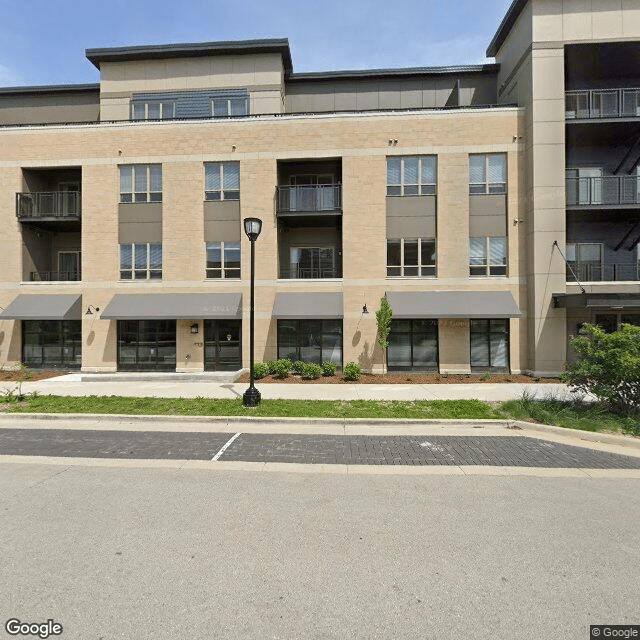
<point x="89" y="311"/>
<point x="364" y="309"/>
<point x="195" y="328"/>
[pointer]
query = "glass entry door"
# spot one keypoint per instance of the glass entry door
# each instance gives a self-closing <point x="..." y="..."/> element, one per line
<point x="146" y="345"/>
<point x="222" y="345"/>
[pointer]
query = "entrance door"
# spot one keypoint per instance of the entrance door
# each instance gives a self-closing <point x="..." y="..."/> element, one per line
<point x="146" y="345"/>
<point x="222" y="345"/>
<point x="69" y="200"/>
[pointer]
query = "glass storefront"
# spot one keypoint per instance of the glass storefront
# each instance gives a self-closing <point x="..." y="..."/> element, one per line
<point x="310" y="340"/>
<point x="222" y="345"/>
<point x="146" y="345"/>
<point x="413" y="345"/>
<point x="490" y="345"/>
<point x="52" y="343"/>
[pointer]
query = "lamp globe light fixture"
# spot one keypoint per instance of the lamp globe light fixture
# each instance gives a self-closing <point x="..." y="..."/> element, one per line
<point x="252" y="227"/>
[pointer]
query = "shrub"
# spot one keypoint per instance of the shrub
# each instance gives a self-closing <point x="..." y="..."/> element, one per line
<point x="351" y="371"/>
<point x="280" y="368"/>
<point x="608" y="367"/>
<point x="329" y="368"/>
<point x="272" y="366"/>
<point x="298" y="367"/>
<point x="312" y="370"/>
<point x="260" y="370"/>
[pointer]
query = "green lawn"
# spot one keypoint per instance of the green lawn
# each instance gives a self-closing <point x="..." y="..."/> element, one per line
<point x="572" y="415"/>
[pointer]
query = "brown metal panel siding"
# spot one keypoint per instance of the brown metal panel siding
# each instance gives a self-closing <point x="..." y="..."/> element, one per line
<point x="411" y="217"/>
<point x="487" y="215"/>
<point x="222" y="221"/>
<point x="140" y="222"/>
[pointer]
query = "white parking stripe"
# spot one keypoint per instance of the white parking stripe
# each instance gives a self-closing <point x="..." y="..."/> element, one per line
<point x="224" y="448"/>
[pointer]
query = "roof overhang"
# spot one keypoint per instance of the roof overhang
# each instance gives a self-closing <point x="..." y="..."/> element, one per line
<point x="173" y="306"/>
<point x="453" y="304"/>
<point x="316" y="306"/>
<point x="193" y="50"/>
<point x="611" y="301"/>
<point x="44" y="307"/>
<point x="505" y="26"/>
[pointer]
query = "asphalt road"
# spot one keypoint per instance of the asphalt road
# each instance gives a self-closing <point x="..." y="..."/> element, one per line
<point x="137" y="553"/>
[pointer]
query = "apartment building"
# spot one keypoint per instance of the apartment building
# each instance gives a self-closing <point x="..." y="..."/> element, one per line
<point x="496" y="206"/>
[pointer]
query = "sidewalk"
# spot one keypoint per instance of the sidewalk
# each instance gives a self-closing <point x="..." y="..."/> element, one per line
<point x="73" y="385"/>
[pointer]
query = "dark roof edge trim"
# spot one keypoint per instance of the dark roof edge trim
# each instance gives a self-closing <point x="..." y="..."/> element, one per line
<point x="192" y="49"/>
<point x="408" y="71"/>
<point x="505" y="26"/>
<point x="52" y="88"/>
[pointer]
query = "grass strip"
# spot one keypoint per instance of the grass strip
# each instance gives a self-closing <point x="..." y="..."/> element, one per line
<point x="391" y="409"/>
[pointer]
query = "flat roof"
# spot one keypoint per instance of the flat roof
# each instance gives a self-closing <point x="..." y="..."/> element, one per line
<point x="505" y="26"/>
<point x="192" y="49"/>
<point x="390" y="73"/>
<point x="51" y="88"/>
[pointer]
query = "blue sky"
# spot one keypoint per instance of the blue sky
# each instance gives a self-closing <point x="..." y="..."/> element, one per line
<point x="43" y="41"/>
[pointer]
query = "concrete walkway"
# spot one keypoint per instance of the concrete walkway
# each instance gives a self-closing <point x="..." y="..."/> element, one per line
<point x="124" y="385"/>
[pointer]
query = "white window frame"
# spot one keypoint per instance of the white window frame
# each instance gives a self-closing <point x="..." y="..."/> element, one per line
<point x="141" y="273"/>
<point x="422" y="270"/>
<point x="166" y="111"/>
<point x="137" y="197"/>
<point x="223" y="271"/>
<point x="216" y="195"/>
<point x="422" y="187"/>
<point x="486" y="187"/>
<point x="488" y="266"/>
<point x="229" y="109"/>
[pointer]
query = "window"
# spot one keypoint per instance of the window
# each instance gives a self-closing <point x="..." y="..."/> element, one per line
<point x="153" y="110"/>
<point x="584" y="262"/>
<point x="413" y="345"/>
<point x="225" y="107"/>
<point x="411" y="175"/>
<point x="488" y="256"/>
<point x="411" y="257"/>
<point x="312" y="262"/>
<point x="490" y="345"/>
<point x="223" y="259"/>
<point x="140" y="183"/>
<point x="52" y="343"/>
<point x="310" y="340"/>
<point x="140" y="261"/>
<point x="488" y="173"/>
<point x="222" y="181"/>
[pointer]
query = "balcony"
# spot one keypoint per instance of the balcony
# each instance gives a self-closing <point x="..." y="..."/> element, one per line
<point x="309" y="199"/>
<point x="309" y="273"/>
<point x="603" y="272"/>
<point x="602" y="104"/>
<point x="54" y="276"/>
<point x="606" y="191"/>
<point x="48" y="205"/>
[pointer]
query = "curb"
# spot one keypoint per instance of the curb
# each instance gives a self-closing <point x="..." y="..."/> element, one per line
<point x="589" y="436"/>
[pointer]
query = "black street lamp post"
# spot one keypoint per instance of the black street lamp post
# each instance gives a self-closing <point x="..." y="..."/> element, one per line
<point x="252" y="227"/>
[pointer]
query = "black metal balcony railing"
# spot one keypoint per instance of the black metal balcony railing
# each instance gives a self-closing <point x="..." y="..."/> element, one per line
<point x="602" y="103"/>
<point x="607" y="190"/>
<point x="603" y="272"/>
<point x="309" y="198"/>
<point x="54" y="276"/>
<point x="48" y="204"/>
<point x="295" y="273"/>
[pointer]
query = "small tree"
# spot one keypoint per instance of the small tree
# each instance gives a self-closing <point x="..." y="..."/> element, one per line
<point x="383" y="318"/>
<point x="608" y="367"/>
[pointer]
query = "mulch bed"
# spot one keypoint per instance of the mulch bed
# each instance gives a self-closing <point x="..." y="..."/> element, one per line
<point x="405" y="378"/>
<point x="16" y="376"/>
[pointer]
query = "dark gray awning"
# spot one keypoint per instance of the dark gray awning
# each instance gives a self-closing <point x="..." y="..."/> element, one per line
<point x="173" y="306"/>
<point x="289" y="306"/>
<point x="453" y="304"/>
<point x="40" y="306"/>
<point x="611" y="301"/>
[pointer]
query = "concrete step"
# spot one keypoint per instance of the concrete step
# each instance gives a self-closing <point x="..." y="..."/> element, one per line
<point x="168" y="376"/>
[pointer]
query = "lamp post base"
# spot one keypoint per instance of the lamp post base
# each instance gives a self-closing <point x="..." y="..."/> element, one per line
<point x="251" y="397"/>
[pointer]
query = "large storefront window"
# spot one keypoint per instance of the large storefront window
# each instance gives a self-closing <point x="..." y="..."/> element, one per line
<point x="310" y="340"/>
<point x="413" y="345"/>
<point x="490" y="345"/>
<point x="146" y="345"/>
<point x="52" y="343"/>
